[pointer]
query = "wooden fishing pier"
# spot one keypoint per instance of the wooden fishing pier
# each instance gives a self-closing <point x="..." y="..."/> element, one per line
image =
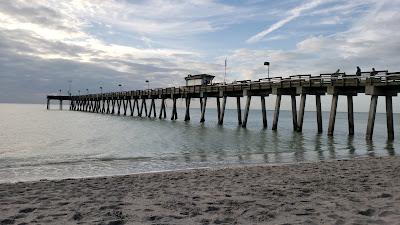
<point x="383" y="83"/>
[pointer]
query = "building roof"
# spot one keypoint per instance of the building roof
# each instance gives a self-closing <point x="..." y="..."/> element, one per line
<point x="198" y="76"/>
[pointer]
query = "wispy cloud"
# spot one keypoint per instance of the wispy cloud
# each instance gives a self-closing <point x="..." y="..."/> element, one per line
<point x="293" y="14"/>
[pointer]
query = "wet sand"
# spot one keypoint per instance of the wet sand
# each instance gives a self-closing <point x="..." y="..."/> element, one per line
<point x="357" y="191"/>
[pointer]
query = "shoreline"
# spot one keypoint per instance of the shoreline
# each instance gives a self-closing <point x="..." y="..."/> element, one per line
<point x="344" y="191"/>
<point x="229" y="166"/>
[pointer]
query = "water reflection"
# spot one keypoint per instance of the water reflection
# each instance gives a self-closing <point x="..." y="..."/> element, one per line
<point x="350" y="146"/>
<point x="297" y="144"/>
<point x="370" y="148"/>
<point x="331" y="147"/>
<point x="318" y="147"/>
<point x="390" y="148"/>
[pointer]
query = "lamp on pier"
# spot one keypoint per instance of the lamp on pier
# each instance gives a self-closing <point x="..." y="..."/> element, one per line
<point x="267" y="64"/>
<point x="120" y="87"/>
<point x="87" y="91"/>
<point x="101" y="90"/>
<point x="148" y="84"/>
<point x="59" y="91"/>
<point x="69" y="87"/>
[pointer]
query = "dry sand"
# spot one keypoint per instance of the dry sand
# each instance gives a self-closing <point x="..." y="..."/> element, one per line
<point x="359" y="191"/>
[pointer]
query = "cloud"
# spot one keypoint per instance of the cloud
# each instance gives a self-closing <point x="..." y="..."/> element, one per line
<point x="103" y="43"/>
<point x="46" y="44"/>
<point x="293" y="14"/>
<point x="369" y="41"/>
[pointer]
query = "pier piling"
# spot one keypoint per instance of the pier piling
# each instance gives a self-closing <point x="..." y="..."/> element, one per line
<point x="294" y="112"/>
<point x="276" y="112"/>
<point x="264" y="112"/>
<point x="187" y="112"/>
<point x="389" y="117"/>
<point x="246" y="111"/>
<point x="203" y="109"/>
<point x="350" y="114"/>
<point x="221" y="118"/>
<point x="371" y="117"/>
<point x="218" y="109"/>
<point x="239" y="111"/>
<point x="319" y="112"/>
<point x="332" y="116"/>
<point x="174" y="115"/>
<point x="301" y="112"/>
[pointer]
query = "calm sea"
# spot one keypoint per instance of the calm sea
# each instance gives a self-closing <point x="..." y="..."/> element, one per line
<point x="39" y="144"/>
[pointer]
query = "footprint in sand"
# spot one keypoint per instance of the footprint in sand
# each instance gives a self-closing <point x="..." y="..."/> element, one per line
<point x="27" y="210"/>
<point x="367" y="212"/>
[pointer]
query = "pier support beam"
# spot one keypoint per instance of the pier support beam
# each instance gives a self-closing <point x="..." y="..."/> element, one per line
<point x="108" y="106"/>
<point x="221" y="118"/>
<point x="371" y="116"/>
<point x="125" y="104"/>
<point x="152" y="108"/>
<point x="301" y="112"/>
<point x="332" y="116"/>
<point x="218" y="109"/>
<point x="350" y="114"/>
<point x="137" y="106"/>
<point x="119" y="101"/>
<point x="294" y="112"/>
<point x="112" y="106"/>
<point x="264" y="112"/>
<point x="103" y="105"/>
<point x="48" y="104"/>
<point x="61" y="105"/>
<point x="389" y="117"/>
<point x="276" y="112"/>
<point x="319" y="112"/>
<point x="203" y="109"/>
<point x="246" y="111"/>
<point x="187" y="113"/>
<point x="131" y="106"/>
<point x="141" y="108"/>
<point x="239" y="111"/>
<point x="163" y="113"/>
<point x="174" y="115"/>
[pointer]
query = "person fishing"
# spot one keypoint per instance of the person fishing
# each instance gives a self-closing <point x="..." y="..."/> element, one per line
<point x="373" y="72"/>
<point x="358" y="73"/>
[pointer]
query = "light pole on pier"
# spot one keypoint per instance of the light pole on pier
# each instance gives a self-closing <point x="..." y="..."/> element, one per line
<point x="59" y="91"/>
<point x="148" y="84"/>
<point x="69" y="87"/>
<point x="120" y="87"/>
<point x="267" y="64"/>
<point x="101" y="90"/>
<point x="87" y="91"/>
<point x="79" y="92"/>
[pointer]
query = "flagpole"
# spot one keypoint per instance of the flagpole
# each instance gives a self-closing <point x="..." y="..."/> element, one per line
<point x="225" y="72"/>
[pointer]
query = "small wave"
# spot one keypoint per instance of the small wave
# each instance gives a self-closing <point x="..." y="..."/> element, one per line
<point x="84" y="160"/>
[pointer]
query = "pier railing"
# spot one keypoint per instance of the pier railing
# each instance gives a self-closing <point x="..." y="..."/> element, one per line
<point x="383" y="83"/>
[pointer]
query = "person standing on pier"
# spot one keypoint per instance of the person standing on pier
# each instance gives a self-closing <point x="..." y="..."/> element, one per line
<point x="373" y="72"/>
<point x="358" y="73"/>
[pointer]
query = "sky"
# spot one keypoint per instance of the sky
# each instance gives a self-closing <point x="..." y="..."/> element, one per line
<point x="93" y="43"/>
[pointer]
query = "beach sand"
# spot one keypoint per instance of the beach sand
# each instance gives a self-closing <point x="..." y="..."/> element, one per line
<point x="357" y="191"/>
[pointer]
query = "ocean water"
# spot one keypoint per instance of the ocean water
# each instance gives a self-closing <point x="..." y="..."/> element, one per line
<point x="39" y="144"/>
